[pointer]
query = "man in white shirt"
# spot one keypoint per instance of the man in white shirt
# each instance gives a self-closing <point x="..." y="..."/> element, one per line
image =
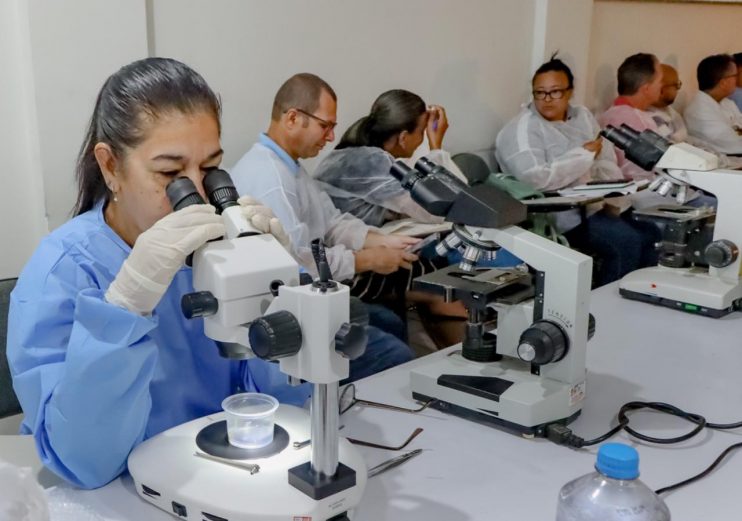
<point x="670" y="123"/>
<point x="712" y="116"/>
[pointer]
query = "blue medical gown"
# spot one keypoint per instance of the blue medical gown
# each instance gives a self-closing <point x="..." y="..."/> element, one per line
<point x="94" y="379"/>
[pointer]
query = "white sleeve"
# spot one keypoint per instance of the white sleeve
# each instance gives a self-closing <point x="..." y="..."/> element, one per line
<point x="712" y="127"/>
<point x="521" y="152"/>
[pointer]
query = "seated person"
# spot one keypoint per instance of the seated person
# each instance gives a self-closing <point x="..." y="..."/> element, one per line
<point x="670" y="123"/>
<point x="356" y="174"/>
<point x="552" y="144"/>
<point x="639" y="87"/>
<point x="303" y="119"/>
<point x="711" y="116"/>
<point x="100" y="353"/>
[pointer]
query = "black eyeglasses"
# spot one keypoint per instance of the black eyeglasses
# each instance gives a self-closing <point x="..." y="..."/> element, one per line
<point x="551" y="94"/>
<point x="325" y="125"/>
<point x="348" y="399"/>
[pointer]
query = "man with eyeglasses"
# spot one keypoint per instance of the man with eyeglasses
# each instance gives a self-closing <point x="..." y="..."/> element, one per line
<point x="303" y="120"/>
<point x="712" y="116"/>
<point x="671" y="123"/>
<point x="639" y="87"/>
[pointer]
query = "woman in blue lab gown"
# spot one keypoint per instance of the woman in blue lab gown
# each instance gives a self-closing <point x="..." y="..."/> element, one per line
<point x="100" y="353"/>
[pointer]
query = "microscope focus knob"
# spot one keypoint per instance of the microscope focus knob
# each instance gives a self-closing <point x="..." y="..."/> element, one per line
<point x="542" y="343"/>
<point x="350" y="340"/>
<point x="721" y="253"/>
<point x="199" y="304"/>
<point x="275" y="336"/>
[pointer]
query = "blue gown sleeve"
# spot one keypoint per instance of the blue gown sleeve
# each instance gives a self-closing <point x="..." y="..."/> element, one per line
<point x="81" y="369"/>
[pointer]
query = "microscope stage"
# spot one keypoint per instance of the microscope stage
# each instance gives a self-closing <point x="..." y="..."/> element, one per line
<point x="504" y="394"/>
<point x="168" y="474"/>
<point x="691" y="290"/>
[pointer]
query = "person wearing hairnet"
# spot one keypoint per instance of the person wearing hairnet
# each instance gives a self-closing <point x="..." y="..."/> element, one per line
<point x="552" y="144"/>
<point x="356" y="174"/>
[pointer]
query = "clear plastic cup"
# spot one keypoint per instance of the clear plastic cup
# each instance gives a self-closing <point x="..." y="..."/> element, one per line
<point x="250" y="419"/>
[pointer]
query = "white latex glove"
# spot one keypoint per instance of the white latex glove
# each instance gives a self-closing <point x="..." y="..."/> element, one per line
<point x="263" y="219"/>
<point x="159" y="253"/>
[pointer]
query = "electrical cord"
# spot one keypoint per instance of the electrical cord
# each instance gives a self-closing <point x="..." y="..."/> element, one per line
<point x="562" y="435"/>
<point x="700" y="475"/>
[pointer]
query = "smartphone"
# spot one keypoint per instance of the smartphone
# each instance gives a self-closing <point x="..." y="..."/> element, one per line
<point x="433" y="237"/>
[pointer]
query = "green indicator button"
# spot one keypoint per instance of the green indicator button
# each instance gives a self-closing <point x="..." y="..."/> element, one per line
<point x="690" y="307"/>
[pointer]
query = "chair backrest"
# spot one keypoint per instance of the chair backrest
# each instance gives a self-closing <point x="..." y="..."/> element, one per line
<point x="473" y="167"/>
<point x="8" y="401"/>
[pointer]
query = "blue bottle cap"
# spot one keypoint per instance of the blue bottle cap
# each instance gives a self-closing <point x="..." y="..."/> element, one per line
<point x="618" y="461"/>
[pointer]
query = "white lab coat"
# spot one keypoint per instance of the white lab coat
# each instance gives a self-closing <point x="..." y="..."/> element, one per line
<point x="549" y="155"/>
<point x="304" y="210"/>
<point x="714" y="122"/>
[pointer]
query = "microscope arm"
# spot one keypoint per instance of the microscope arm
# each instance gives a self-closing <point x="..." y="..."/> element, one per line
<point x="562" y="292"/>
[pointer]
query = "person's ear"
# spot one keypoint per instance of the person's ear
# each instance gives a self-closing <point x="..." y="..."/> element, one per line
<point x="402" y="139"/>
<point x="108" y="164"/>
<point x="289" y="119"/>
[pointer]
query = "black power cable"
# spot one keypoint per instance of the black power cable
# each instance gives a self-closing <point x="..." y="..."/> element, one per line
<point x="562" y="435"/>
<point x="701" y="474"/>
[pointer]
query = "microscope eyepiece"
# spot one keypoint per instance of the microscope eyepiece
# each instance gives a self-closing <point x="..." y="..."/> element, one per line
<point x="425" y="165"/>
<point x="220" y="189"/>
<point x="182" y="192"/>
<point x="618" y="136"/>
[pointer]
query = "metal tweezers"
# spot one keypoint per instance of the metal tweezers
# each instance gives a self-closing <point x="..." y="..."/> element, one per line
<point x="252" y="468"/>
<point x="391" y="463"/>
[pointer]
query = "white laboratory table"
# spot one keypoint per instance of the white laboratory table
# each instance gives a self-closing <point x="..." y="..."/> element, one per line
<point x="471" y="472"/>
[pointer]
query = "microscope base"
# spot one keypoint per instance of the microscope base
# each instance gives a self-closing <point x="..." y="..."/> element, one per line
<point x="169" y="475"/>
<point x="503" y="394"/>
<point x="691" y="290"/>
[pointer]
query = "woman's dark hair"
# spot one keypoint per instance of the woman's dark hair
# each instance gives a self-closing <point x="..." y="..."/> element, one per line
<point x="392" y="112"/>
<point x="129" y="99"/>
<point x="555" y="65"/>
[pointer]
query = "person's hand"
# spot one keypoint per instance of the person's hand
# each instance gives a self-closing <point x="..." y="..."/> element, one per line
<point x="594" y="146"/>
<point x="437" y="126"/>
<point x="399" y="242"/>
<point x="263" y="219"/>
<point x="159" y="253"/>
<point x="374" y="239"/>
<point x="383" y="260"/>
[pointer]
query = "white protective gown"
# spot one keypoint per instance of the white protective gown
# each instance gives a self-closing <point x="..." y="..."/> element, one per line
<point x="715" y="123"/>
<point x="267" y="173"/>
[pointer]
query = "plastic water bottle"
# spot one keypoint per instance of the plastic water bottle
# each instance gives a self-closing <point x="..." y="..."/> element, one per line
<point x="612" y="493"/>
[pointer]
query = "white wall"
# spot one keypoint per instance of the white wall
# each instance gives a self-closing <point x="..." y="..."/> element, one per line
<point x="678" y="34"/>
<point x="471" y="56"/>
<point x="54" y="57"/>
<point x="564" y="26"/>
<point x="22" y="217"/>
<point x="75" y="46"/>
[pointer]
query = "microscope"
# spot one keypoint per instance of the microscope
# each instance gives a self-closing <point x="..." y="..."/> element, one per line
<point x="530" y="372"/>
<point x="699" y="267"/>
<point x="248" y="293"/>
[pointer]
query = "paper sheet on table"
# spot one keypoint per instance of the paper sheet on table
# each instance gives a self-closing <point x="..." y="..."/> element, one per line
<point x="631" y="188"/>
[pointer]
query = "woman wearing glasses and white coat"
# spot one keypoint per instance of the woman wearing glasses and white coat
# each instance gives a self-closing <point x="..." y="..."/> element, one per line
<point x="552" y="144"/>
